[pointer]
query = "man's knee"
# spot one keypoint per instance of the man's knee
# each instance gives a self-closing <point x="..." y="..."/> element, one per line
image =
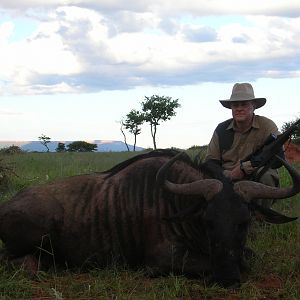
<point x="270" y="178"/>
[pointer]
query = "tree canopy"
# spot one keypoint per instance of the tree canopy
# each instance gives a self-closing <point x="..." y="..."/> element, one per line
<point x="296" y="135"/>
<point x="61" y="147"/>
<point x="157" y="109"/>
<point x="134" y="119"/>
<point x="45" y="140"/>
<point x="81" y="146"/>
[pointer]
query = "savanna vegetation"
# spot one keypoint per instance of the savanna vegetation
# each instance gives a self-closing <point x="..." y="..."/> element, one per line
<point x="296" y="134"/>
<point x="275" y="273"/>
<point x="155" y="110"/>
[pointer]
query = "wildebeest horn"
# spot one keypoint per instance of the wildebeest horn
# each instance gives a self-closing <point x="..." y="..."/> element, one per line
<point x="203" y="187"/>
<point x="250" y="190"/>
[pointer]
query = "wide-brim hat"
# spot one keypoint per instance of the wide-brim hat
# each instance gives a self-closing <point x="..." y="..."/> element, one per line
<point x="243" y="92"/>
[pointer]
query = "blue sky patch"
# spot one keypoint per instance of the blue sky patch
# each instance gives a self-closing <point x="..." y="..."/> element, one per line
<point x="23" y="27"/>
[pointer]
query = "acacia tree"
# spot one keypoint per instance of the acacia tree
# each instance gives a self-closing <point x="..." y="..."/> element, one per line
<point x="61" y="147"/>
<point x="134" y="119"/>
<point x="45" y="140"/>
<point x="81" y="146"/>
<point x="157" y="109"/>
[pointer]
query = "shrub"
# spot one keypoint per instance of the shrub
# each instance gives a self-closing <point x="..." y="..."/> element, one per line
<point x="6" y="171"/>
<point x="11" y="150"/>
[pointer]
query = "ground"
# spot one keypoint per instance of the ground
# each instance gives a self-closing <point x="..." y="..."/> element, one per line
<point x="292" y="152"/>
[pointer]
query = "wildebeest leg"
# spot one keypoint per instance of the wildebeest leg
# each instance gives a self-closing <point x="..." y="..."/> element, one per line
<point x="23" y="236"/>
<point x="28" y="263"/>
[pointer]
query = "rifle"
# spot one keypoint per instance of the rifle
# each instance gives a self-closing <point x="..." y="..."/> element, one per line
<point x="264" y="157"/>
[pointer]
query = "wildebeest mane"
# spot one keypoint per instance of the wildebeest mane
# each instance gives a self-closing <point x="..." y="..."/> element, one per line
<point x="154" y="153"/>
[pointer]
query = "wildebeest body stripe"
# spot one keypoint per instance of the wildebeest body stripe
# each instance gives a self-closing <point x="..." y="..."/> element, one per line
<point x="117" y="224"/>
<point x="107" y="238"/>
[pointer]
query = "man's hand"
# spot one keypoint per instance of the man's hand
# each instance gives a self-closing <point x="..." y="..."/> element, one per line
<point x="239" y="171"/>
<point x="235" y="174"/>
<point x="246" y="167"/>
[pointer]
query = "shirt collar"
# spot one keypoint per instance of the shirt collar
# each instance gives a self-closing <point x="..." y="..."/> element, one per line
<point x="255" y="123"/>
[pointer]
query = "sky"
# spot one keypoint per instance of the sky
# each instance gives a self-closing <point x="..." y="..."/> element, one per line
<point x="73" y="69"/>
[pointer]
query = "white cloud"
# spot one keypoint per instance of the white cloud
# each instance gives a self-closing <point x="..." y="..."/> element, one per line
<point x="231" y="7"/>
<point x="9" y="113"/>
<point x="199" y="33"/>
<point x="89" y="46"/>
<point x="200" y="7"/>
<point x="6" y="30"/>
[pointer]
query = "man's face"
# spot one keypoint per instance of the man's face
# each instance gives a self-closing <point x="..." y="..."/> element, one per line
<point x="242" y="110"/>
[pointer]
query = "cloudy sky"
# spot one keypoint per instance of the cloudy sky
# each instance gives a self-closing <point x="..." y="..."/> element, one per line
<point x="72" y="69"/>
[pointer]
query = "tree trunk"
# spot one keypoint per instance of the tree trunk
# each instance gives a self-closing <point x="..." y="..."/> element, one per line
<point x="121" y="128"/>
<point x="153" y="133"/>
<point x="134" y="142"/>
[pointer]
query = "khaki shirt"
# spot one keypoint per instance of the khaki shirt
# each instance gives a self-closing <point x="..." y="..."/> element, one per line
<point x="243" y="143"/>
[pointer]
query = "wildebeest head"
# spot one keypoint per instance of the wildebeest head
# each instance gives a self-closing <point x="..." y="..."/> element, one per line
<point x="226" y="215"/>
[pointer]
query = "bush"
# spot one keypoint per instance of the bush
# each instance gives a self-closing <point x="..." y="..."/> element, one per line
<point x="198" y="148"/>
<point x="197" y="153"/>
<point x="6" y="172"/>
<point x="295" y="137"/>
<point x="11" y="150"/>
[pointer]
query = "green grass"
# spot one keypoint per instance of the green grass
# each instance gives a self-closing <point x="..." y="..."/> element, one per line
<point x="37" y="168"/>
<point x="275" y="273"/>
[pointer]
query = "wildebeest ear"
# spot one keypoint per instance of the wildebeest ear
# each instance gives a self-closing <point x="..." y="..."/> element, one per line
<point x="272" y="216"/>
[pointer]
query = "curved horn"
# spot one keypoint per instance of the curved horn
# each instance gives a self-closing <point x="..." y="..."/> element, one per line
<point x="250" y="190"/>
<point x="161" y="174"/>
<point x="203" y="187"/>
<point x="207" y="188"/>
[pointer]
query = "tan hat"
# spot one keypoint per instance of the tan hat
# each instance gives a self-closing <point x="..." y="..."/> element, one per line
<point x="243" y="92"/>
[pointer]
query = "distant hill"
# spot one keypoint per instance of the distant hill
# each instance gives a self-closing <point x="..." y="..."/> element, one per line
<point x="103" y="145"/>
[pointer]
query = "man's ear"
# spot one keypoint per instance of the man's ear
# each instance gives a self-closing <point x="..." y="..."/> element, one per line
<point x="271" y="216"/>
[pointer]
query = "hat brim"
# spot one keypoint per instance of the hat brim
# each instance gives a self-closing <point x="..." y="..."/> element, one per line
<point x="259" y="102"/>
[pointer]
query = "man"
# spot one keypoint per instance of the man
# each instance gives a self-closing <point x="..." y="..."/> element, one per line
<point x="235" y="139"/>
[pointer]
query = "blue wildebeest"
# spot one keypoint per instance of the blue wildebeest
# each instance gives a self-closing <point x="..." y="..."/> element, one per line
<point x="188" y="220"/>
